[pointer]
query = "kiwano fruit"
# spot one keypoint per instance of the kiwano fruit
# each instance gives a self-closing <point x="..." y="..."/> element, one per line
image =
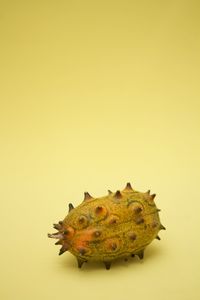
<point x="118" y="225"/>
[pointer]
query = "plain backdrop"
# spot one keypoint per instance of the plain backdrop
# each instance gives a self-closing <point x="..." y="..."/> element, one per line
<point x="95" y="94"/>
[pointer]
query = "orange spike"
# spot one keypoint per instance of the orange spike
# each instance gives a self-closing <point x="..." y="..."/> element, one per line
<point x="71" y="207"/>
<point x="128" y="186"/>
<point x="152" y="196"/>
<point x="162" y="227"/>
<point x="118" y="195"/>
<point x="107" y="264"/>
<point x="140" y="254"/>
<point x="56" y="235"/>
<point x="87" y="196"/>
<point x="63" y="249"/>
<point x="59" y="242"/>
<point x="80" y="262"/>
<point x="57" y="226"/>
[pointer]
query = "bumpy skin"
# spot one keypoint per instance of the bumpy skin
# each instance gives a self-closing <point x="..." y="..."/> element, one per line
<point x="118" y="225"/>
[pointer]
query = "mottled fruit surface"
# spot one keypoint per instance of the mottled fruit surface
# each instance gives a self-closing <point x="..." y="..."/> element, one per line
<point x="118" y="225"/>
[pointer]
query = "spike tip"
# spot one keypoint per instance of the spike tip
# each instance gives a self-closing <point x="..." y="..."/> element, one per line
<point x="87" y="196"/>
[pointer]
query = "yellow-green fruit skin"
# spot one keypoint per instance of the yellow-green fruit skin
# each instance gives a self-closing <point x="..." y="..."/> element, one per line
<point x="118" y="225"/>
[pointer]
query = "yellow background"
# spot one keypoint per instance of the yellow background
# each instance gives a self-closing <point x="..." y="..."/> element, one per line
<point x="95" y="94"/>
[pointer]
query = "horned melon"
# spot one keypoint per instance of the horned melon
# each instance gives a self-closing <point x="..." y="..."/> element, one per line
<point x="118" y="225"/>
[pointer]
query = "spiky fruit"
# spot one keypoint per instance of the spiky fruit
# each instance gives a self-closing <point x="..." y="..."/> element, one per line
<point x="118" y="225"/>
